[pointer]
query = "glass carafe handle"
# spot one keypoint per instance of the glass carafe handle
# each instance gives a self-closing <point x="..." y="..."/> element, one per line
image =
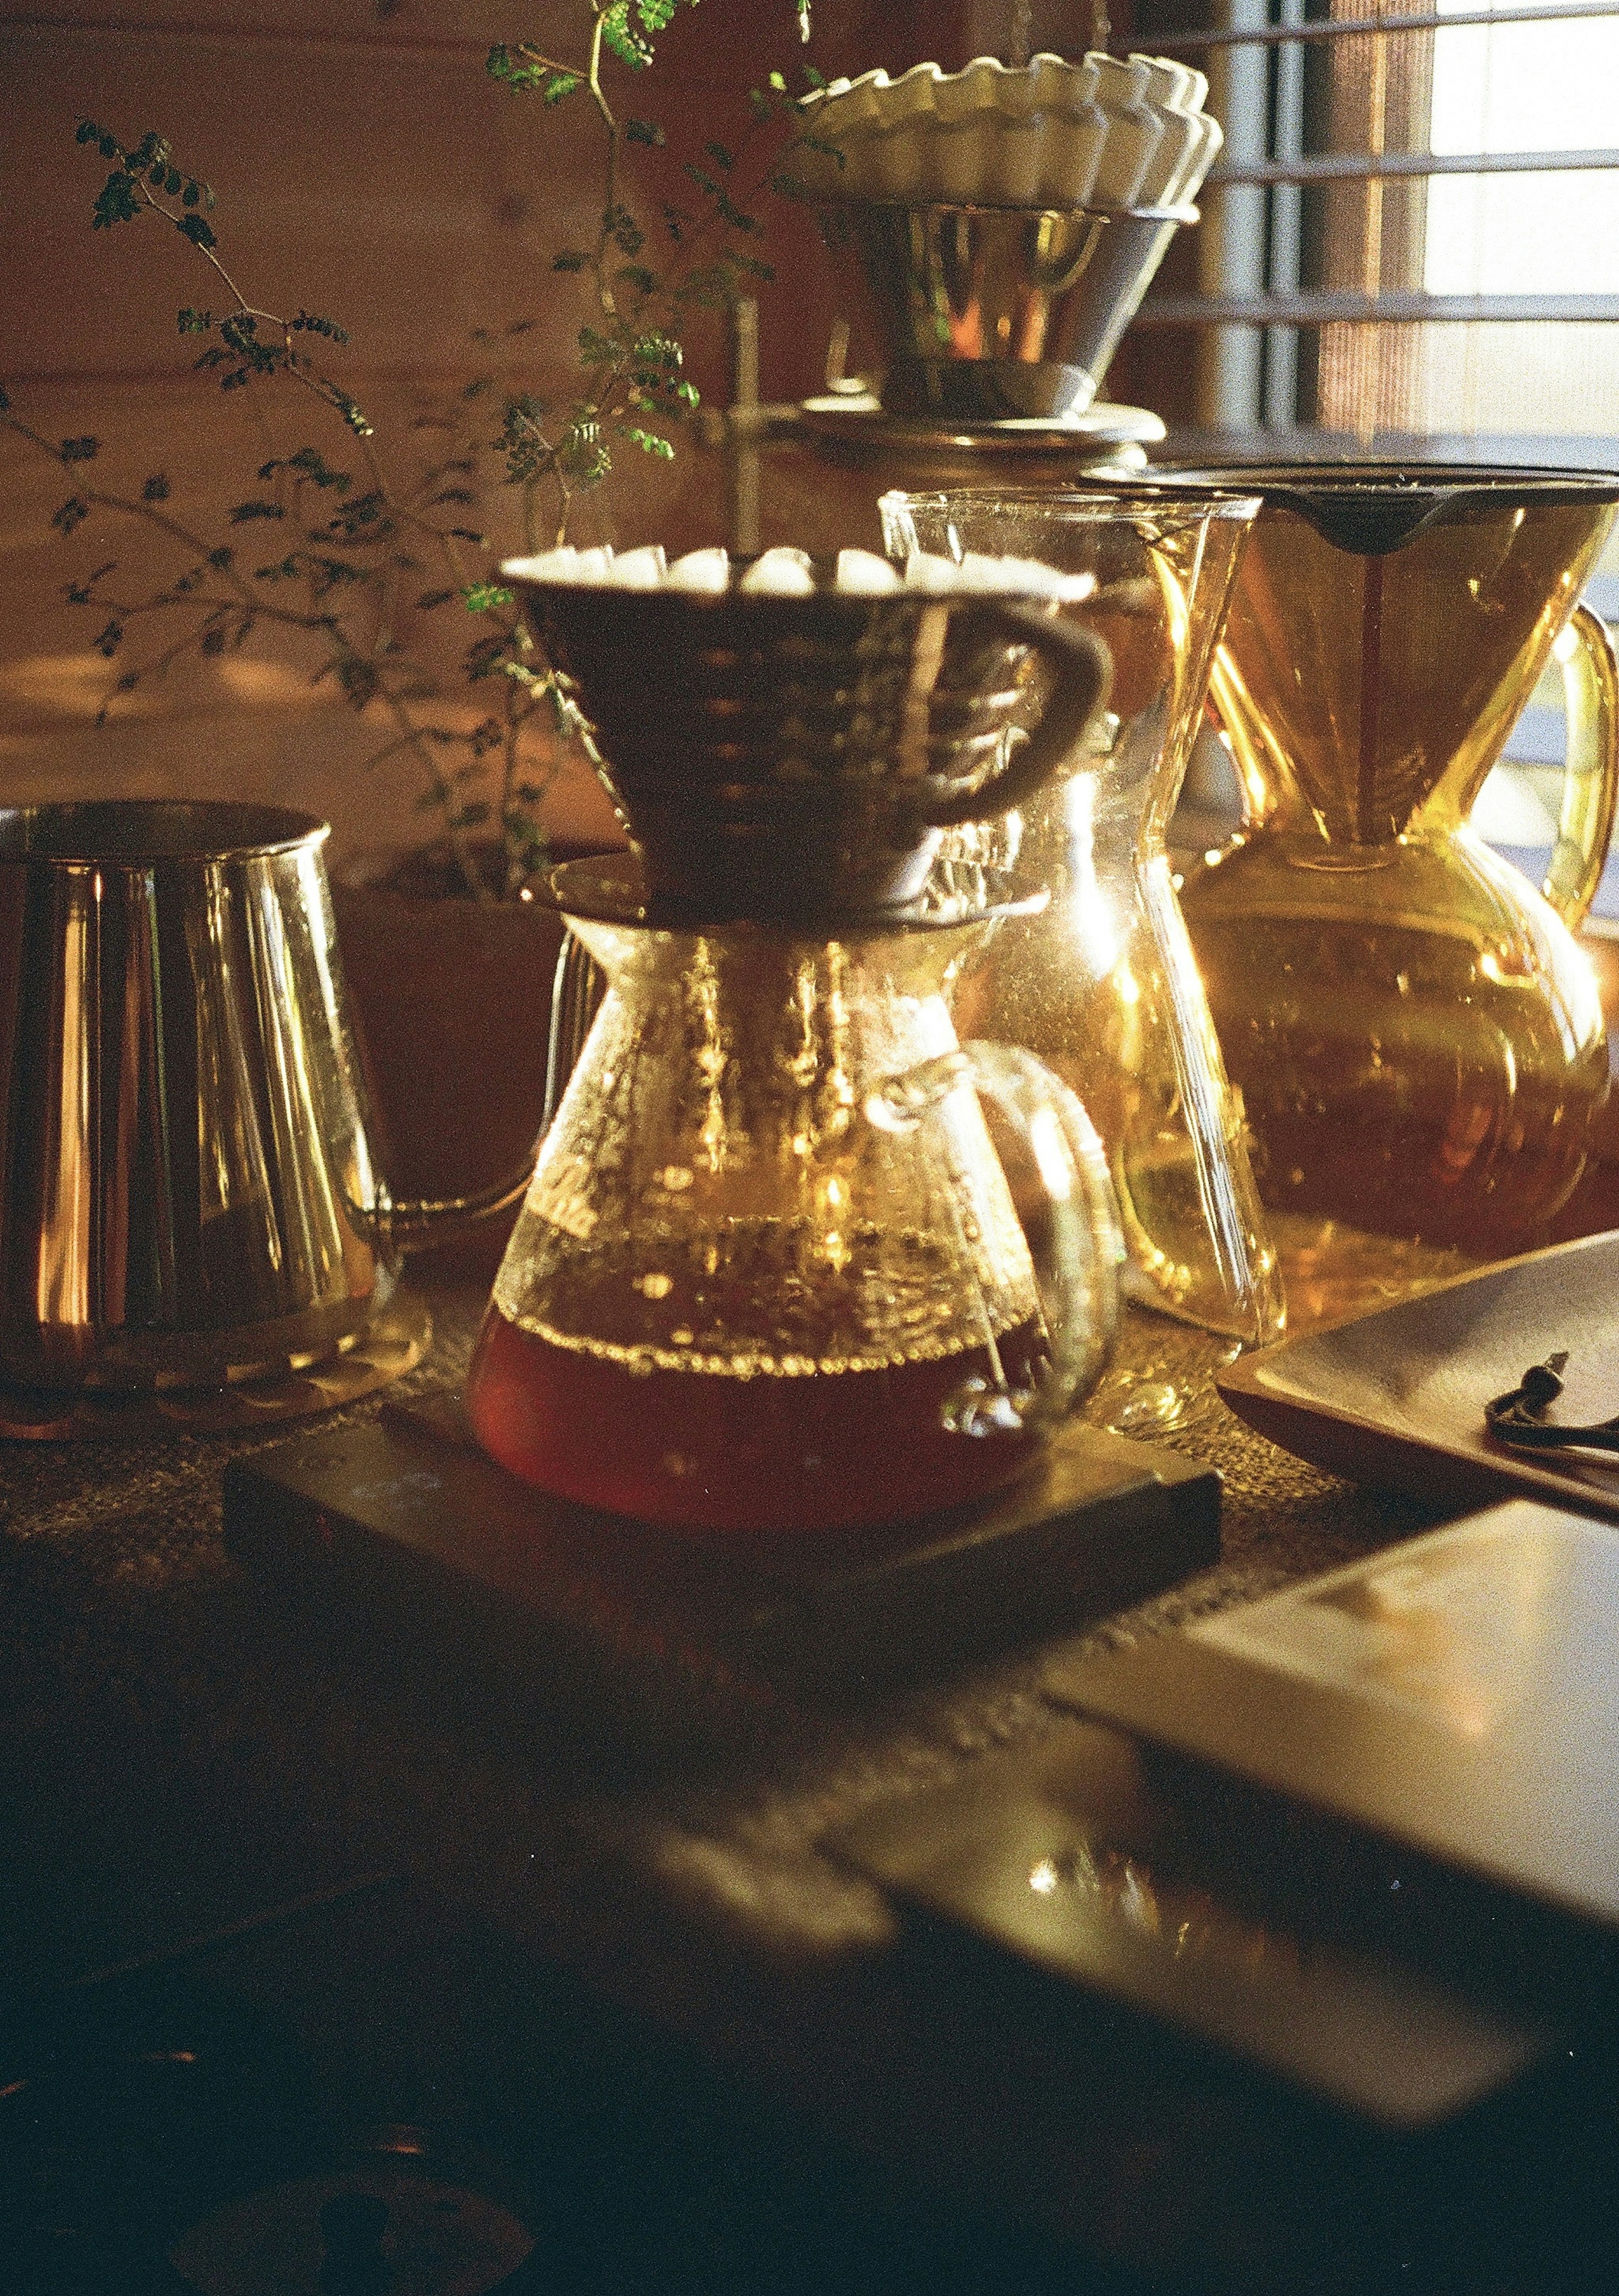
<point x="1584" y="652"/>
<point x="1069" y="1211"/>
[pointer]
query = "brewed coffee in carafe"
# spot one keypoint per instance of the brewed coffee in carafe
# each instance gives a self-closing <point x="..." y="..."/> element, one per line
<point x="1416" y="1035"/>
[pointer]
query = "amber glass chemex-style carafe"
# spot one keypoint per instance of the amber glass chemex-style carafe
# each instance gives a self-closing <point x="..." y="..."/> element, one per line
<point x="1415" y="1033"/>
<point x="792" y="1257"/>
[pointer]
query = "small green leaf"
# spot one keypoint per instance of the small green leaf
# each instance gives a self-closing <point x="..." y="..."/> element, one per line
<point x="559" y="88"/>
<point x="89" y="132"/>
<point x="115" y="202"/>
<point x="644" y="131"/>
<point x="569" y="258"/>
<point x="196" y="322"/>
<point x="194" y="228"/>
<point x="192" y="194"/>
<point x="621" y="36"/>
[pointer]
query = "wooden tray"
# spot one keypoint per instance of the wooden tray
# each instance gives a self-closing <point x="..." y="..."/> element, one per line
<point x="1397" y="1397"/>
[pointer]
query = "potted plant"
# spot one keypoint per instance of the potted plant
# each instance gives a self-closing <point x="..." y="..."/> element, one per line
<point x="374" y="563"/>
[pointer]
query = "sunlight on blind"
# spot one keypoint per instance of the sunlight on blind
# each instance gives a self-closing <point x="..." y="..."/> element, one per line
<point x="1523" y="87"/>
<point x="1372" y="378"/>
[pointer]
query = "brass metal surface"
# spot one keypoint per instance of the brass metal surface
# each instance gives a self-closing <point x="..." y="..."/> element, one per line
<point x="392" y="1342"/>
<point x="189" y="1194"/>
<point x="989" y="312"/>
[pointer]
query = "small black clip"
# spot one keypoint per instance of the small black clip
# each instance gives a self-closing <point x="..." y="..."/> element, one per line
<point x="1519" y="1419"/>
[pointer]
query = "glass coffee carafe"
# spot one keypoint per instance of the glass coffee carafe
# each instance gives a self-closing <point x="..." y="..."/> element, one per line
<point x="1103" y="984"/>
<point x="792" y="1258"/>
<point x="771" y="1273"/>
<point x="1416" y="1035"/>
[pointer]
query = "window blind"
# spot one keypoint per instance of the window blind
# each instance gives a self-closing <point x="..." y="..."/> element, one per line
<point x="1414" y="225"/>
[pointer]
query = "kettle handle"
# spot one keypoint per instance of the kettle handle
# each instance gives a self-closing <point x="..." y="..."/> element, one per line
<point x="424" y="1221"/>
<point x="1078" y="1258"/>
<point x="1083" y="668"/>
<point x="1584" y="652"/>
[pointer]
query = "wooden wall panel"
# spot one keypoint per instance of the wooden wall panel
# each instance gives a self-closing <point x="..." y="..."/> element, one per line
<point x="396" y="192"/>
<point x="365" y="166"/>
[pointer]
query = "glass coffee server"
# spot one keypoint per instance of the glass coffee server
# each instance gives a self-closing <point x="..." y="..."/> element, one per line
<point x="1103" y="984"/>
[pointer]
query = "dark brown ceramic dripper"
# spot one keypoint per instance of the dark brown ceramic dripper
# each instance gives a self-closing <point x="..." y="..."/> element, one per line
<point x="797" y="758"/>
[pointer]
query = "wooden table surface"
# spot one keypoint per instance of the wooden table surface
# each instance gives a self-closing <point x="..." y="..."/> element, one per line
<point x="172" y="1763"/>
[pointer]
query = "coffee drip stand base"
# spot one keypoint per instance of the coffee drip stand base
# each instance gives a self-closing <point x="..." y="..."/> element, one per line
<point x="443" y="1567"/>
<point x="392" y="1342"/>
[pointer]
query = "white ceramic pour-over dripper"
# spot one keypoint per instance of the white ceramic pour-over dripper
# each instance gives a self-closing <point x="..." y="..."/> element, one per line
<point x="1107" y="131"/>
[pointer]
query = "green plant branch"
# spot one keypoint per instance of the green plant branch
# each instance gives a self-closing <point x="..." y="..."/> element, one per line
<point x="349" y="545"/>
